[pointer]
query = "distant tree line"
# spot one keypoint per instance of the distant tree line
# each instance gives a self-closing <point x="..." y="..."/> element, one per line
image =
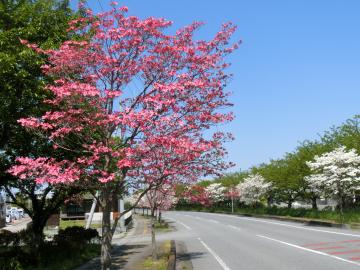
<point x="325" y="168"/>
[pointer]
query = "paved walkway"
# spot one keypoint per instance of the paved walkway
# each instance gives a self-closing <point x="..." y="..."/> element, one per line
<point x="128" y="248"/>
<point x="17" y="225"/>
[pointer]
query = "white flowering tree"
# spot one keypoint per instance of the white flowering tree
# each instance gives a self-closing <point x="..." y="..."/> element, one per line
<point x="253" y="188"/>
<point x="216" y="192"/>
<point x="336" y="174"/>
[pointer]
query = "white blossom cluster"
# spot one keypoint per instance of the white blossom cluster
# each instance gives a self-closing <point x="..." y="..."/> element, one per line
<point x="215" y="192"/>
<point x="253" y="188"/>
<point x="336" y="173"/>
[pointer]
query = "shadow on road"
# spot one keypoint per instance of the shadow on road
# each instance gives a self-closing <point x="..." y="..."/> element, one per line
<point x="190" y="256"/>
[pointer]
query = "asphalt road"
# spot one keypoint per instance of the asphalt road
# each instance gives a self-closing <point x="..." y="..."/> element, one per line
<point x="224" y="242"/>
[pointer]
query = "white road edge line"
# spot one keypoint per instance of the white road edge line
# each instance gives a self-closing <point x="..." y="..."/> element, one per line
<point x="310" y="250"/>
<point x="293" y="226"/>
<point x="186" y="226"/>
<point x="219" y="260"/>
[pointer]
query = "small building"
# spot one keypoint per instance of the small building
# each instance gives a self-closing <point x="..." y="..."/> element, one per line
<point x="76" y="209"/>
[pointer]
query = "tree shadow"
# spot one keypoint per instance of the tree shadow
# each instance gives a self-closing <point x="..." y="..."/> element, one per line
<point x="121" y="254"/>
<point x="119" y="257"/>
<point x="188" y="256"/>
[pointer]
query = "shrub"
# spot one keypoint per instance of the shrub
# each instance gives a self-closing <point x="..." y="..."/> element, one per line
<point x="76" y="236"/>
<point x="9" y="263"/>
<point x="8" y="238"/>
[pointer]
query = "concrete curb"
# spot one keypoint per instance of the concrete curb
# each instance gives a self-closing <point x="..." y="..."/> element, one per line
<point x="172" y="258"/>
<point x="183" y="257"/>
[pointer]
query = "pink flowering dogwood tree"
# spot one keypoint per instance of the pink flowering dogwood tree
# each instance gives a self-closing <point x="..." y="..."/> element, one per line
<point x="197" y="194"/>
<point x="158" y="199"/>
<point x="131" y="102"/>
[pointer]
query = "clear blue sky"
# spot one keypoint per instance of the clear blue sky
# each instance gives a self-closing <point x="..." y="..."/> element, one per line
<point x="296" y="74"/>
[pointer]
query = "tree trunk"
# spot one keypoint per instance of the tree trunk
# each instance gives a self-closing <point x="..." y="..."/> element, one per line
<point x="37" y="230"/>
<point x="341" y="207"/>
<point x="232" y="204"/>
<point x="153" y="240"/>
<point x="106" y="233"/>
<point x="314" y="203"/>
<point x="269" y="201"/>
<point x="159" y="216"/>
<point x="289" y="205"/>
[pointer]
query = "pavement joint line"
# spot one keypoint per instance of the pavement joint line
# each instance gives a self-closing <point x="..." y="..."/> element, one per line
<point x="309" y="250"/>
<point x="186" y="226"/>
<point x="297" y="227"/>
<point x="219" y="260"/>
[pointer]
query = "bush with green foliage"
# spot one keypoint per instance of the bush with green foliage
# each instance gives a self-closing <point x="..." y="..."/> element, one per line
<point x="76" y="235"/>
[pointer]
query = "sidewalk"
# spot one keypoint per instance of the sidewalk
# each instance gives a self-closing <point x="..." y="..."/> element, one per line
<point x="128" y="248"/>
<point x="17" y="225"/>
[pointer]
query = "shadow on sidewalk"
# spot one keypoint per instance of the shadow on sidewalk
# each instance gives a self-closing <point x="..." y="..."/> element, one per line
<point x="122" y="253"/>
<point x="120" y="256"/>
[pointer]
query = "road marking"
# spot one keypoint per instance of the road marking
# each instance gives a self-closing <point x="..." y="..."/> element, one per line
<point x="330" y="243"/>
<point x="310" y="250"/>
<point x="297" y="227"/>
<point x="345" y="252"/>
<point x="326" y="248"/>
<point x="219" y="260"/>
<point x="234" y="227"/>
<point x="213" y="221"/>
<point x="186" y="226"/>
<point x="317" y="244"/>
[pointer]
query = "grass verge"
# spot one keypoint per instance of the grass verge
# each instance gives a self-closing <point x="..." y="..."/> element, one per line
<point x="70" y="223"/>
<point x="161" y="263"/>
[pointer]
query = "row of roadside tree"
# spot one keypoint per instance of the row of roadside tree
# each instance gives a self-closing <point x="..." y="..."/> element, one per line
<point x="327" y="168"/>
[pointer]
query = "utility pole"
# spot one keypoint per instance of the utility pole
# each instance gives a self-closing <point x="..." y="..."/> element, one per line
<point x="92" y="210"/>
<point x="232" y="200"/>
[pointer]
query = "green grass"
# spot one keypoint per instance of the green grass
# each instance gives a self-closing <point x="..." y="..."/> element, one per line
<point x="69" y="223"/>
<point x="68" y="259"/>
<point x="162" y="226"/>
<point x="161" y="263"/>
